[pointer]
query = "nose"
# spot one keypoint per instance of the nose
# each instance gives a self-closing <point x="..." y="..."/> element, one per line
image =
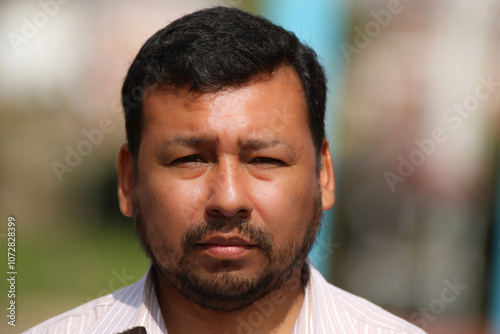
<point x="229" y="197"/>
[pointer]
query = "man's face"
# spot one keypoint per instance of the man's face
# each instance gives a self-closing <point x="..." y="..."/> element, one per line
<point x="227" y="200"/>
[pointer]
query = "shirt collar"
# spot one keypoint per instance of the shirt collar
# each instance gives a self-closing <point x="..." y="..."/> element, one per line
<point x="305" y="317"/>
<point x="136" y="310"/>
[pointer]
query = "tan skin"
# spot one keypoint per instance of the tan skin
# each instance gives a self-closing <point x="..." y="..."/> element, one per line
<point x="244" y="153"/>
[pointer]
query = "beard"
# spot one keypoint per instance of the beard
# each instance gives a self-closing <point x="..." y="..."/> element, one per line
<point x="224" y="289"/>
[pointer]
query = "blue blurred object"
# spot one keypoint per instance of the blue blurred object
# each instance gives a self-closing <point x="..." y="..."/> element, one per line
<point x="495" y="262"/>
<point x="319" y="24"/>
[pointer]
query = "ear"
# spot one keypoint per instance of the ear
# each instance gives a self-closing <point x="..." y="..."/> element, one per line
<point x="327" y="177"/>
<point x="125" y="167"/>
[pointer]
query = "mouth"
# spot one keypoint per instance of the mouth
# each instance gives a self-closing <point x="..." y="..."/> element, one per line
<point x="224" y="248"/>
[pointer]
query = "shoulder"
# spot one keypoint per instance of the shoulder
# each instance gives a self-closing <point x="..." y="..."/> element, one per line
<point x="366" y="314"/>
<point x="81" y="318"/>
<point x="357" y="314"/>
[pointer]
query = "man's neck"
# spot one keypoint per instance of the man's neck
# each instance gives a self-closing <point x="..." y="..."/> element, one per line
<point x="274" y="313"/>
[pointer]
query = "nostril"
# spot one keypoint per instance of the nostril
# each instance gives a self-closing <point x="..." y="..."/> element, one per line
<point x="231" y="221"/>
<point x="228" y="212"/>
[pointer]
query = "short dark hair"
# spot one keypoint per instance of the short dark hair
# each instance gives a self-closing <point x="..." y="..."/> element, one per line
<point x="216" y="48"/>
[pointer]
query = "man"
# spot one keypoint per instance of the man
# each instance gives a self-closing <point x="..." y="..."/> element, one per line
<point x="226" y="172"/>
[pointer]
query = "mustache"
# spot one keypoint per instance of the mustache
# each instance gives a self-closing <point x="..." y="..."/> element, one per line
<point x="253" y="233"/>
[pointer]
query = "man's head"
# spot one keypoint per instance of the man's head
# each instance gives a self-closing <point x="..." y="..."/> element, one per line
<point x="226" y="170"/>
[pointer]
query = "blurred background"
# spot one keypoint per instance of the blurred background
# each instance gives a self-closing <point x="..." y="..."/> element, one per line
<point x="413" y="122"/>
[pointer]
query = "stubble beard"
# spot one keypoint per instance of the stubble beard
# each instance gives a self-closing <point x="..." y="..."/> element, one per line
<point x="227" y="290"/>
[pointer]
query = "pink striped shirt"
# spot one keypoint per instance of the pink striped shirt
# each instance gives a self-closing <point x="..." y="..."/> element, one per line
<point x="135" y="309"/>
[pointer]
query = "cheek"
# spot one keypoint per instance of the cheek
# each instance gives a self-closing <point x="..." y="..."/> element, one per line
<point x="285" y="208"/>
<point x="170" y="207"/>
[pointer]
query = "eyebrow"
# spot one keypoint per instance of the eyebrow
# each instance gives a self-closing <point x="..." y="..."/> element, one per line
<point x="206" y="141"/>
<point x="188" y="141"/>
<point x="257" y="144"/>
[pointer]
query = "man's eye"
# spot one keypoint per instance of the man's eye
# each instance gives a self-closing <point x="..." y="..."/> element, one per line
<point x="187" y="159"/>
<point x="266" y="160"/>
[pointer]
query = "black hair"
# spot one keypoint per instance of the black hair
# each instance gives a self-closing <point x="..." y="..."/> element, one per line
<point x="216" y="48"/>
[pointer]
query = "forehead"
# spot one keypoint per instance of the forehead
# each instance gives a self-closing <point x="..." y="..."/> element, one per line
<point x="266" y="106"/>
